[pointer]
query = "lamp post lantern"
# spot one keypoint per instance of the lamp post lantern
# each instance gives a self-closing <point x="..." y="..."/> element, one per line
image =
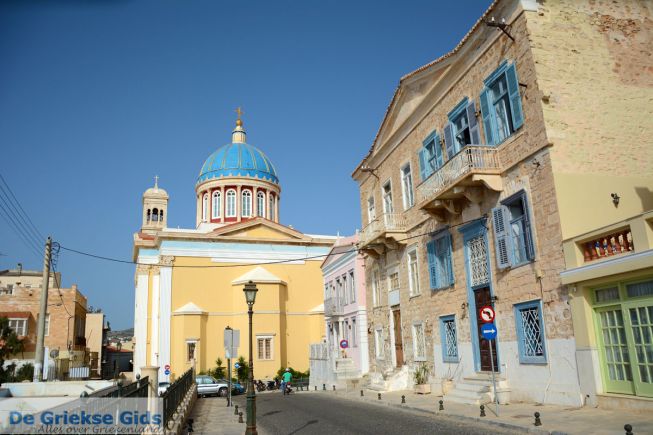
<point x="250" y="296"/>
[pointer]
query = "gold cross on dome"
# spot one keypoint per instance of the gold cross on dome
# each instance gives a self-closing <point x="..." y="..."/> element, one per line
<point x="239" y="112"/>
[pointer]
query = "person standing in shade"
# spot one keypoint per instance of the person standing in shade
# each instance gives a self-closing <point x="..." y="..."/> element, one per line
<point x="286" y="378"/>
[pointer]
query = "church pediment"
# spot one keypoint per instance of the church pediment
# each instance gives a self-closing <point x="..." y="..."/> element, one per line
<point x="259" y="228"/>
<point x="258" y="275"/>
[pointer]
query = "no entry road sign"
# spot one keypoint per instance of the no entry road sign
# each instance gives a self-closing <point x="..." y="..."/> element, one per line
<point x="344" y="344"/>
<point x="489" y="331"/>
<point x="487" y="314"/>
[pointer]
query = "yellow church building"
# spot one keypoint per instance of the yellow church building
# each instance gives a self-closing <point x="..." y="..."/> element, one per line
<point x="189" y="282"/>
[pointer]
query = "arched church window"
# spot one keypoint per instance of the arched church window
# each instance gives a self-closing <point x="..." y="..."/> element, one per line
<point x="271" y="208"/>
<point x="246" y="203"/>
<point x="161" y="215"/>
<point x="231" y="203"/>
<point x="155" y="215"/>
<point x="260" y="204"/>
<point x="216" y="204"/>
<point x="205" y="207"/>
<point x="149" y="214"/>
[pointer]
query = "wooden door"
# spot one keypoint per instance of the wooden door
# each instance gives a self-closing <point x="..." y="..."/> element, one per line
<point x="482" y="298"/>
<point x="399" y="346"/>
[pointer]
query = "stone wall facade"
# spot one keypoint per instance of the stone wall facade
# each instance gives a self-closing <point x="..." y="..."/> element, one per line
<point x="421" y="105"/>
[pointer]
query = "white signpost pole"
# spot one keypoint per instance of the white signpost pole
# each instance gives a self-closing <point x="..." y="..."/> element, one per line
<point x="494" y="384"/>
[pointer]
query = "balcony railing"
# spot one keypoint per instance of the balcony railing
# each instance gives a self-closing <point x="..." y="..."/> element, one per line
<point x="386" y="223"/>
<point x="332" y="307"/>
<point x="473" y="159"/>
<point x="615" y="243"/>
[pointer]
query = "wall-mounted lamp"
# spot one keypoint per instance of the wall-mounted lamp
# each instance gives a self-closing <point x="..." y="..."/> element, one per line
<point x="464" y="306"/>
<point x="615" y="199"/>
<point x="494" y="298"/>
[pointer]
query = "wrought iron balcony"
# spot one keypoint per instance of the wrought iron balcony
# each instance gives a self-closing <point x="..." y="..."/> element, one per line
<point x="463" y="176"/>
<point x="387" y="229"/>
<point x="332" y="307"/>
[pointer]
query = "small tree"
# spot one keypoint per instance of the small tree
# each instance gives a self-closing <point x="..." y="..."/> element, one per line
<point x="220" y="372"/>
<point x="10" y="344"/>
<point x="242" y="372"/>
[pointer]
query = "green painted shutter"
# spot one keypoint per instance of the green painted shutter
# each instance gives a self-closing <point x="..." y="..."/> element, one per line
<point x="488" y="118"/>
<point x="502" y="240"/>
<point x="515" y="98"/>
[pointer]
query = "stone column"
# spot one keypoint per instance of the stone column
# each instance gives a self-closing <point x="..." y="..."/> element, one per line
<point x="276" y="208"/>
<point x="152" y="373"/>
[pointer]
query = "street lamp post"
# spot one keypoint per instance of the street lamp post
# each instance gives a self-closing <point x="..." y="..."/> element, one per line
<point x="250" y="296"/>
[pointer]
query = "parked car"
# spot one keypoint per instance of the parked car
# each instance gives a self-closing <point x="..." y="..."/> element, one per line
<point x="207" y="385"/>
<point x="236" y="387"/>
<point x="163" y="387"/>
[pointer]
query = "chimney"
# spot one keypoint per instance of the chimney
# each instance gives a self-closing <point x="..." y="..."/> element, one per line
<point x="20" y="268"/>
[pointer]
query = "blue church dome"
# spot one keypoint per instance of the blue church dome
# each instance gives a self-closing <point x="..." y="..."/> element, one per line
<point x="238" y="160"/>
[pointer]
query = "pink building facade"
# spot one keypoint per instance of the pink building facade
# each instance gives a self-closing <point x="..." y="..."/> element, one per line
<point x="345" y="310"/>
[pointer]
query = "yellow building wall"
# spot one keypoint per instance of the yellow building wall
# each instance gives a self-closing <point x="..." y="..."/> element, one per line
<point x="596" y="99"/>
<point x="283" y="311"/>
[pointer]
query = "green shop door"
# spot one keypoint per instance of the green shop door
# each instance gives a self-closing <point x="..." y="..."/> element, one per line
<point x="626" y="341"/>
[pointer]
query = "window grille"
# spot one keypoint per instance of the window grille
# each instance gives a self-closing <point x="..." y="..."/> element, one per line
<point x="530" y="332"/>
<point x="419" y="343"/>
<point x="478" y="261"/>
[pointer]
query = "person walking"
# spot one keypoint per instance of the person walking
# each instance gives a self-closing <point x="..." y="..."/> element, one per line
<point x="286" y="378"/>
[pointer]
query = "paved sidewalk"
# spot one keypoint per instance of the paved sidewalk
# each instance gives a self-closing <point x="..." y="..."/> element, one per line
<point x="211" y="415"/>
<point x="555" y="419"/>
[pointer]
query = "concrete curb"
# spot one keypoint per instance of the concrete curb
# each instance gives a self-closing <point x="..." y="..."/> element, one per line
<point x="486" y="420"/>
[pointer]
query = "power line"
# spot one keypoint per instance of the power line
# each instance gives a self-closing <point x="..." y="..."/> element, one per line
<point x="312" y="257"/>
<point x="34" y="230"/>
<point x="29" y="243"/>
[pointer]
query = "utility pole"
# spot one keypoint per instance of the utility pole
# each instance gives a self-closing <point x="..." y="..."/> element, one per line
<point x="40" y="329"/>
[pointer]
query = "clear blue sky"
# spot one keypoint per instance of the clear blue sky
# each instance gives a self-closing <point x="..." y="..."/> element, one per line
<point x="97" y="97"/>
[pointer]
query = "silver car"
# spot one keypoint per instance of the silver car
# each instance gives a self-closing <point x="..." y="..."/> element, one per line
<point x="207" y="385"/>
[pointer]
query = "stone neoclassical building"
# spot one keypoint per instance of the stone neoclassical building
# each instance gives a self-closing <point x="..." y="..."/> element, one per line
<point x="488" y="158"/>
<point x="189" y="282"/>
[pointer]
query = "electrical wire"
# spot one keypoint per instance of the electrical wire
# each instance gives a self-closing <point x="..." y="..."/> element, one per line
<point x="35" y="231"/>
<point x="29" y="243"/>
<point x="312" y="257"/>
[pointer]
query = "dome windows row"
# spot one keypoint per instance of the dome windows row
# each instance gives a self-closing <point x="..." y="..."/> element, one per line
<point x="227" y="205"/>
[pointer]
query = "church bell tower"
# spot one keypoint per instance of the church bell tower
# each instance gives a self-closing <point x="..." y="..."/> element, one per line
<point x="155" y="208"/>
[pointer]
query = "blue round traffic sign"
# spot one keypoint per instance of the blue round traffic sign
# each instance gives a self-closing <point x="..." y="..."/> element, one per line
<point x="236" y="366"/>
<point x="489" y="331"/>
<point x="166" y="372"/>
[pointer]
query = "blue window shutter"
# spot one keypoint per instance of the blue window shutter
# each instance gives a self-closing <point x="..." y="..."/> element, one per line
<point x="439" y="158"/>
<point x="474" y="130"/>
<point x="488" y="117"/>
<point x="449" y="257"/>
<point x="515" y="98"/>
<point x="502" y="240"/>
<point x="433" y="270"/>
<point x="422" y="164"/>
<point x="448" y="140"/>
<point x="528" y="232"/>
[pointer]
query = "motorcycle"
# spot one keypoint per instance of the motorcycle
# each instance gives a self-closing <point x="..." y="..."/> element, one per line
<point x="288" y="389"/>
<point x="272" y="385"/>
<point x="260" y="386"/>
